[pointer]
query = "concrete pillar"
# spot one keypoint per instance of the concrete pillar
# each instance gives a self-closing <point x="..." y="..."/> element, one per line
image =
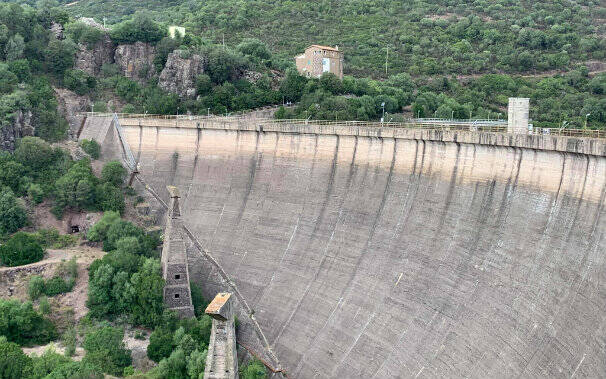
<point x="222" y="358"/>
<point x="518" y="114"/>
<point x="177" y="293"/>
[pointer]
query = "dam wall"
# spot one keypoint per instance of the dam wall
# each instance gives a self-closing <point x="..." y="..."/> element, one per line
<point x="398" y="253"/>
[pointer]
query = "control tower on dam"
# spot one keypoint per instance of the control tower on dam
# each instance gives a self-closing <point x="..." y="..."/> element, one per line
<point x="393" y="253"/>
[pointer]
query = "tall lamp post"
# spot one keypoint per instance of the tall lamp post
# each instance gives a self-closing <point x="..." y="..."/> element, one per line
<point x="383" y="106"/>
<point x="586" y="117"/>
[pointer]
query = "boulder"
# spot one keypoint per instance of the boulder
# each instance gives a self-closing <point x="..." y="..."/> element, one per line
<point x="180" y="73"/>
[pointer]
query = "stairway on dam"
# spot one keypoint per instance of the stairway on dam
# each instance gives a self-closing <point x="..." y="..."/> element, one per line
<point x="377" y="254"/>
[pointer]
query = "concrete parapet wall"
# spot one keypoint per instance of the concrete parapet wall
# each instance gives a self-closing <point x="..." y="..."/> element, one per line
<point x="578" y="145"/>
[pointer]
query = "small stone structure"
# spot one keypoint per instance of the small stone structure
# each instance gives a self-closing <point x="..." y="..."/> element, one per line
<point x="518" y="113"/>
<point x="318" y="59"/>
<point x="222" y="358"/>
<point x="177" y="294"/>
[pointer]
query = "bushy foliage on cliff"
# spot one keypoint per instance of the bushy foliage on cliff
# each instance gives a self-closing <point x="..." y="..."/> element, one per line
<point x="29" y="57"/>
<point x="140" y="29"/>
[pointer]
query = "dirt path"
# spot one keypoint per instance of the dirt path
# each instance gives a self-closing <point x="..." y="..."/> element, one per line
<point x="13" y="280"/>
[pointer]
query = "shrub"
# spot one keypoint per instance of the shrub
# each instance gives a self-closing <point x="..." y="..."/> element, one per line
<point x="13" y="362"/>
<point x="253" y="370"/>
<point x="50" y="361"/>
<point x="79" y="81"/>
<point x="44" y="306"/>
<point x="69" y="341"/>
<point x="160" y="344"/>
<point x="35" y="193"/>
<point x="68" y="269"/>
<point x="20" y="323"/>
<point x="57" y="285"/>
<point x="141" y="28"/>
<point x="34" y="153"/>
<point x="91" y="147"/>
<point x="113" y="173"/>
<point x="105" y="349"/>
<point x="109" y="198"/>
<point x="83" y="33"/>
<point x="12" y="214"/>
<point x="35" y="287"/>
<point x="21" y="249"/>
<point x="98" y="232"/>
<point x="51" y="238"/>
<point x="198" y="300"/>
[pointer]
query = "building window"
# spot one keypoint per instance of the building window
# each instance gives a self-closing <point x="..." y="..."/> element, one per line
<point x="177" y="276"/>
<point x="176" y="296"/>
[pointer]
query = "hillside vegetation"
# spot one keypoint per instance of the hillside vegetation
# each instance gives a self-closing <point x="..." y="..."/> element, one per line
<point x="424" y="37"/>
<point x="446" y="59"/>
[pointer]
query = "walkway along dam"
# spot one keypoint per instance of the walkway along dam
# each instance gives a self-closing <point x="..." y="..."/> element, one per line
<point x="368" y="252"/>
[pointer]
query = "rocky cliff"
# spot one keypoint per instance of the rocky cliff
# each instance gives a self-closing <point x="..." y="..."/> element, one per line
<point x="22" y="126"/>
<point x="91" y="59"/>
<point x="180" y="72"/>
<point x="136" y="61"/>
<point x="70" y="105"/>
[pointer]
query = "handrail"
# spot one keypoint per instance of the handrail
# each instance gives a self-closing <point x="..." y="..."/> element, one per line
<point x="479" y="125"/>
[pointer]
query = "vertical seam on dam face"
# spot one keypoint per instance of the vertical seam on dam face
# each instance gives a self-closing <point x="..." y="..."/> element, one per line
<point x="439" y="258"/>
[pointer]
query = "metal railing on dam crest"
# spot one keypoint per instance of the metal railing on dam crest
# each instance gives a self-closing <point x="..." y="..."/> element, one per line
<point x="481" y="125"/>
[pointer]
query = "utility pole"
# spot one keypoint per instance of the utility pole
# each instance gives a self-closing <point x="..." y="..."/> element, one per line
<point x="223" y="41"/>
<point x="386" y="59"/>
<point x="208" y="114"/>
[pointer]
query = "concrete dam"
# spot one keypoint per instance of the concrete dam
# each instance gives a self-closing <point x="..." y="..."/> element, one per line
<point x="370" y="252"/>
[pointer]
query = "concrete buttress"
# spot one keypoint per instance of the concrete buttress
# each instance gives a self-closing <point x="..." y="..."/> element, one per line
<point x="222" y="359"/>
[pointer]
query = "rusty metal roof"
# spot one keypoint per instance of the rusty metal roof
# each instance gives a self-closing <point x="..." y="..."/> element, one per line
<point x="324" y="47"/>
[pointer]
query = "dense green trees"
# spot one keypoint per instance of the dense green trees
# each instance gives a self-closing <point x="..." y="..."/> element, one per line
<point x="141" y="28"/>
<point x="13" y="363"/>
<point x="105" y="349"/>
<point x="180" y="348"/>
<point x="21" y="324"/>
<point x="21" y="249"/>
<point x="12" y="214"/>
<point x="125" y="281"/>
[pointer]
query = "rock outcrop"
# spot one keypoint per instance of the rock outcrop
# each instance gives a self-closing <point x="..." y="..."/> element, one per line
<point x="70" y="105"/>
<point x="22" y="126"/>
<point x="136" y="61"/>
<point x="179" y="74"/>
<point x="91" y="59"/>
<point x="57" y="30"/>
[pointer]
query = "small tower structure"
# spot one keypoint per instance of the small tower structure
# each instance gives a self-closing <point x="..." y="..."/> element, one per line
<point x="177" y="293"/>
